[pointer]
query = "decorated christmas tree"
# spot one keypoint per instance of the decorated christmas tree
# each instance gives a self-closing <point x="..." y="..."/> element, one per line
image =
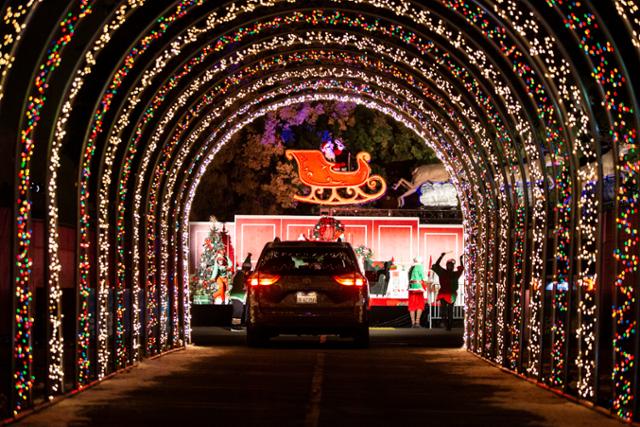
<point x="210" y="283"/>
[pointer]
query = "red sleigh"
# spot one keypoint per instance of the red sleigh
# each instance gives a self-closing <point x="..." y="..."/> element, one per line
<point x="331" y="187"/>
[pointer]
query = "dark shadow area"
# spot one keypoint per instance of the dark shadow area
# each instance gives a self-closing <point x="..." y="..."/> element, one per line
<point x="392" y="383"/>
<point x="380" y="338"/>
<point x="387" y="316"/>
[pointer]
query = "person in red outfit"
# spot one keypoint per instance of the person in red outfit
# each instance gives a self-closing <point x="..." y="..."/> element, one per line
<point x="448" y="278"/>
<point x="416" y="292"/>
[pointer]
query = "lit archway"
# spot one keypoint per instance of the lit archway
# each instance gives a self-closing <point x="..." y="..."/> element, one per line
<point x="525" y="104"/>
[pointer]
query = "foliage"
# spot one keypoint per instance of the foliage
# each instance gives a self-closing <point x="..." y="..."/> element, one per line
<point x="251" y="175"/>
<point x="364" y="252"/>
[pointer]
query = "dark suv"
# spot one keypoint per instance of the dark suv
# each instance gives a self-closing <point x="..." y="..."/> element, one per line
<point x="307" y="287"/>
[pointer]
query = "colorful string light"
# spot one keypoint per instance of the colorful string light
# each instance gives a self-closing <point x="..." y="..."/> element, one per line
<point x="466" y="108"/>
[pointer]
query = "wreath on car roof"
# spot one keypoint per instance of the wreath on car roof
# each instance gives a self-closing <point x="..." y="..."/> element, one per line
<point x="328" y="229"/>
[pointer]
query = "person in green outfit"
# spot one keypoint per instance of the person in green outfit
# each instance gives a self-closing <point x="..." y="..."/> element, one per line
<point x="238" y="294"/>
<point x="416" y="292"/>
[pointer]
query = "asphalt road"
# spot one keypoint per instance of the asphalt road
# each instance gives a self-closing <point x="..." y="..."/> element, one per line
<point x="408" y="377"/>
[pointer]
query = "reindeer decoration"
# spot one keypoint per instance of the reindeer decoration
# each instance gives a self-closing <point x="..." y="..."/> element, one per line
<point x="434" y="173"/>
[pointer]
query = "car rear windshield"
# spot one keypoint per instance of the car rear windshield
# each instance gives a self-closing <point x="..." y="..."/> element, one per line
<point x="305" y="261"/>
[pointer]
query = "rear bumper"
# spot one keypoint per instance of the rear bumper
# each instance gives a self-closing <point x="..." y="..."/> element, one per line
<point x="295" y="320"/>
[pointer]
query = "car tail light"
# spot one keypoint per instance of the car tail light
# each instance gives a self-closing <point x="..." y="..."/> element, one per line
<point x="356" y="280"/>
<point x="262" y="279"/>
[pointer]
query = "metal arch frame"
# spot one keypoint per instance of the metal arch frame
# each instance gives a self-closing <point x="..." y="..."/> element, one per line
<point x="171" y="168"/>
<point x="52" y="198"/>
<point x="572" y="245"/>
<point x="560" y="113"/>
<point x="13" y="274"/>
<point x="5" y="75"/>
<point x="596" y="148"/>
<point x="635" y="409"/>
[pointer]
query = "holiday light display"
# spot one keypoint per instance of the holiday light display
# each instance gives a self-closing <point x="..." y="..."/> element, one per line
<point x="162" y="239"/>
<point x="55" y="344"/>
<point x="23" y="377"/>
<point x="14" y="18"/>
<point x="512" y="137"/>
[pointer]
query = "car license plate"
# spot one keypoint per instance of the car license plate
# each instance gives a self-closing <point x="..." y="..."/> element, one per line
<point x="307" y="298"/>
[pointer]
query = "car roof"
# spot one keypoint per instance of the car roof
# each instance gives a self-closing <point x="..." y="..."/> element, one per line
<point x="307" y="244"/>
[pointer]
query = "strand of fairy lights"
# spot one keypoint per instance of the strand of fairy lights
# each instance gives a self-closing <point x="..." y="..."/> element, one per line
<point x="56" y="372"/>
<point x="629" y="11"/>
<point x="84" y="223"/>
<point x="200" y="169"/>
<point x="630" y="169"/>
<point x="250" y="91"/>
<point x="22" y="355"/>
<point x="14" y="21"/>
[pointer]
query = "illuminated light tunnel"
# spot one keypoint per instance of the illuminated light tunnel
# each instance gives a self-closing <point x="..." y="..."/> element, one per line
<point x="112" y="111"/>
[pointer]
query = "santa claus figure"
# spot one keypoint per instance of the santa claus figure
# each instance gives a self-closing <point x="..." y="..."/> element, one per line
<point x="327" y="150"/>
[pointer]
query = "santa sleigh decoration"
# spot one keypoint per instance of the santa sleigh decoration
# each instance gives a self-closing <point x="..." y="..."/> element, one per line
<point x="332" y="187"/>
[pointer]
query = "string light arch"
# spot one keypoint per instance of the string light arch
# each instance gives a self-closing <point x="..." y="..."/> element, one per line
<point x="522" y="101"/>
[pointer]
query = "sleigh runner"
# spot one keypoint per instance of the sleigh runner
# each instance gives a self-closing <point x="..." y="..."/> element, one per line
<point x="332" y="187"/>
